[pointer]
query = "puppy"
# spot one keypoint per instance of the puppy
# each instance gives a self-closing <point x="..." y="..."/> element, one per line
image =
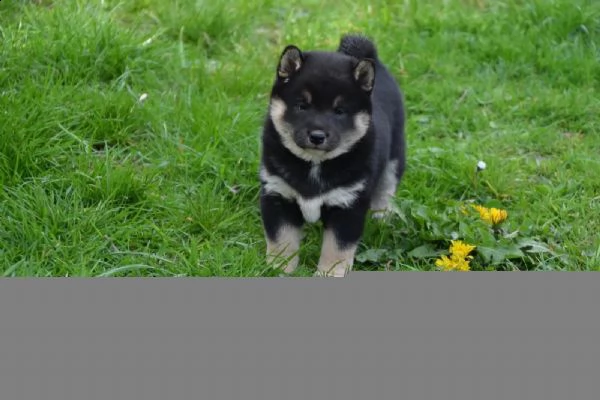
<point x="333" y="148"/>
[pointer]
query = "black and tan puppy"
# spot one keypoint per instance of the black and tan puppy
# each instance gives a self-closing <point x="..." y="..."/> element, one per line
<point x="332" y="148"/>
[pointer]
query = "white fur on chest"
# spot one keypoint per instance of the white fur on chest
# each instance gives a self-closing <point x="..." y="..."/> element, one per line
<point x="311" y="208"/>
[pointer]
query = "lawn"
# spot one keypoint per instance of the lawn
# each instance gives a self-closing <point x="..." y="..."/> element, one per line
<point x="130" y="132"/>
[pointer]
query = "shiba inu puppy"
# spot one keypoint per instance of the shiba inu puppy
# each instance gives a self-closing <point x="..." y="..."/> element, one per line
<point x="333" y="148"/>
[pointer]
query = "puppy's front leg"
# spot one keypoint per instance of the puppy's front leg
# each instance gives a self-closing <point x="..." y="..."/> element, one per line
<point x="343" y="230"/>
<point x="282" y="222"/>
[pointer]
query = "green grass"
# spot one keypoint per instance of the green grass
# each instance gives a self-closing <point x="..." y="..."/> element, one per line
<point x="96" y="183"/>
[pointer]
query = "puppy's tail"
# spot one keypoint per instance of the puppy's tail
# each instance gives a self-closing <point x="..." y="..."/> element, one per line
<point x="358" y="46"/>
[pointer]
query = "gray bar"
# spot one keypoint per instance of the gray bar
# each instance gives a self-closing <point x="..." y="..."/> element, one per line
<point x="369" y="336"/>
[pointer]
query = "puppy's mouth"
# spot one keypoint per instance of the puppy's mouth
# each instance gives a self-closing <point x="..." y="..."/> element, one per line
<point x="318" y="147"/>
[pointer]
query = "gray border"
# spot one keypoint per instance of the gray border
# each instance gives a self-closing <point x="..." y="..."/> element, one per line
<point x="368" y="336"/>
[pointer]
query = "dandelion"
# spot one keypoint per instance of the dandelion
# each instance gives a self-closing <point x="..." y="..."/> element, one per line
<point x="445" y="263"/>
<point x="461" y="249"/>
<point x="494" y="216"/>
<point x="459" y="258"/>
<point x="481" y="165"/>
<point x="498" y="216"/>
<point x="484" y="213"/>
<point x="452" y="263"/>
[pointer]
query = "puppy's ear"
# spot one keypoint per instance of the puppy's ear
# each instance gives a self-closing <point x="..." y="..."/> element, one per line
<point x="290" y="62"/>
<point x="364" y="73"/>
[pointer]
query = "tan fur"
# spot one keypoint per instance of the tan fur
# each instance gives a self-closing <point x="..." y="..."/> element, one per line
<point x="307" y="96"/>
<point x="335" y="261"/>
<point x="283" y="252"/>
<point x="337" y="101"/>
<point x="385" y="191"/>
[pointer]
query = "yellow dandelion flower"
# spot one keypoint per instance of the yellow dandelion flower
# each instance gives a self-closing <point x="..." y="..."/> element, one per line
<point x="498" y="216"/>
<point x="462" y="265"/>
<point x="444" y="263"/>
<point x="460" y="249"/>
<point x="459" y="257"/>
<point x="484" y="213"/>
<point x="494" y="216"/>
<point x="452" y="263"/>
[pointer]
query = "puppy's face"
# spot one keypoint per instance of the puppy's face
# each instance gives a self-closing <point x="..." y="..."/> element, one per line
<point x="321" y="102"/>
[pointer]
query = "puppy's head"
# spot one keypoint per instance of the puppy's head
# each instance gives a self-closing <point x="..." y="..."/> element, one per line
<point x="321" y="102"/>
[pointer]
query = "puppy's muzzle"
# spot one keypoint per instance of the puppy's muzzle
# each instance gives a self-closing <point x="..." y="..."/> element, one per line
<point x="317" y="137"/>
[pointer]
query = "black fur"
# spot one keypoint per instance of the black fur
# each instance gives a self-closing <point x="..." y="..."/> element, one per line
<point x="357" y="46"/>
<point x="387" y="96"/>
<point x="327" y="75"/>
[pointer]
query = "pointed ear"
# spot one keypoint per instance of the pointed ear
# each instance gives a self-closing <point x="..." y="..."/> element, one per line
<point x="290" y="62"/>
<point x="364" y="73"/>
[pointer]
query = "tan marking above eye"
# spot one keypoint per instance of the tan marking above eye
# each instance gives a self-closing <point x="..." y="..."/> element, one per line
<point x="307" y="96"/>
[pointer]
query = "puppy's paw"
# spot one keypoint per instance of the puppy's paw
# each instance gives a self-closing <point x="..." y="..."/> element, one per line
<point x="338" y="273"/>
<point x="381" y="214"/>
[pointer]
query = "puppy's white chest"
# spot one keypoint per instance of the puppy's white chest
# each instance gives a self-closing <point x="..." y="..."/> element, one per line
<point x="311" y="209"/>
<point x="343" y="196"/>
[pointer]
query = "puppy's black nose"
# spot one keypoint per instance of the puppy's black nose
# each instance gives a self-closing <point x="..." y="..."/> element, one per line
<point x="317" y="137"/>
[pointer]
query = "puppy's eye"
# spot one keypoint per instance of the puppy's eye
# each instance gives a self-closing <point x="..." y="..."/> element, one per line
<point x="302" y="106"/>
<point x="339" y="110"/>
